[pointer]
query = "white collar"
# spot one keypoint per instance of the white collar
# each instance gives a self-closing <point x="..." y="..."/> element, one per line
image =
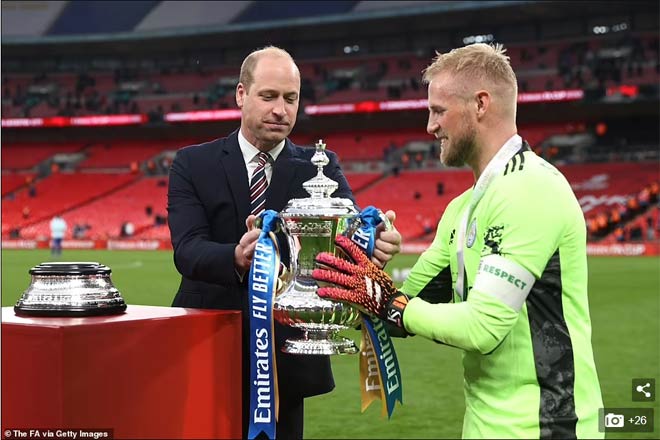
<point x="249" y="151"/>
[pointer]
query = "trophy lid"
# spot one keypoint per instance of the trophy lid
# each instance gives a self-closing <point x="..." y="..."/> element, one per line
<point x="320" y="187"/>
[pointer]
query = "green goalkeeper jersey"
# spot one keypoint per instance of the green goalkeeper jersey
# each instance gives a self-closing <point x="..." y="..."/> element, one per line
<point x="523" y="317"/>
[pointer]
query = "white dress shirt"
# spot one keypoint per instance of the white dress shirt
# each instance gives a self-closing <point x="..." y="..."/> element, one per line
<point x="250" y="156"/>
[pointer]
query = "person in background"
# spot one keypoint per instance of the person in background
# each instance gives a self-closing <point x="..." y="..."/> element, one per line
<point x="57" y="233"/>
<point x="127" y="230"/>
<point x="505" y="279"/>
<point x="650" y="228"/>
<point x="216" y="190"/>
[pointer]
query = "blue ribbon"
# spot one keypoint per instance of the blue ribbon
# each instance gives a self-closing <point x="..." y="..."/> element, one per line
<point x="262" y="283"/>
<point x="365" y="235"/>
<point x="388" y="365"/>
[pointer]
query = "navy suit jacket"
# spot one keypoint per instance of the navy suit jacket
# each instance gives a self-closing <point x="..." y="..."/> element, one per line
<point x="208" y="202"/>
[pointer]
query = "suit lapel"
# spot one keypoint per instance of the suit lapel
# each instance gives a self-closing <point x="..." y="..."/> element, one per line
<point x="284" y="172"/>
<point x="234" y="165"/>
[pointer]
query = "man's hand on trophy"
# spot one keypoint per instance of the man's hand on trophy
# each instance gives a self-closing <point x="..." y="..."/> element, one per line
<point x="359" y="282"/>
<point x="244" y="250"/>
<point x="388" y="242"/>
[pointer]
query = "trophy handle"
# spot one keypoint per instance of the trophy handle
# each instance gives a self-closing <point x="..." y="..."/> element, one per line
<point x="386" y="221"/>
<point x="287" y="273"/>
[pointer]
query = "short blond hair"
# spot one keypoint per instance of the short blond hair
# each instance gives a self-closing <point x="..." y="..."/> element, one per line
<point x="246" y="76"/>
<point x="479" y="64"/>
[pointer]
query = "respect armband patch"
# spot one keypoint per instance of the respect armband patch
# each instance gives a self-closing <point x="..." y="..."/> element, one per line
<point x="504" y="279"/>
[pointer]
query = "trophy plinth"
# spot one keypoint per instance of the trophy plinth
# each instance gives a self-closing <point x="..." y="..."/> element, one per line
<point x="311" y="225"/>
<point x="70" y="289"/>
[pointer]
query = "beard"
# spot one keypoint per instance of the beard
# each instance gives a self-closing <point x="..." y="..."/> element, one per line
<point x="457" y="152"/>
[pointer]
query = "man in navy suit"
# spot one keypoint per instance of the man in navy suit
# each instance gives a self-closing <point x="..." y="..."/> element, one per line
<point x="212" y="227"/>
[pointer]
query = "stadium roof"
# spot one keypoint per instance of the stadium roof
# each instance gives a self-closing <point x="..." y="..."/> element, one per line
<point x="52" y="21"/>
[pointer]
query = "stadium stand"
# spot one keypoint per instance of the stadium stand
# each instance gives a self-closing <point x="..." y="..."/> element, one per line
<point x="413" y="193"/>
<point x="414" y="197"/>
<point x="563" y="64"/>
<point x="390" y="161"/>
<point x="368" y="145"/>
<point x="119" y="155"/>
<point x="106" y="215"/>
<point x="57" y="194"/>
<point x="14" y="182"/>
<point x="154" y="232"/>
<point x="29" y="155"/>
<point x="600" y="186"/>
<point x="361" y="181"/>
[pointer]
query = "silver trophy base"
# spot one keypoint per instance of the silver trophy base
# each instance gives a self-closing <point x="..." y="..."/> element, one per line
<point x="320" y="342"/>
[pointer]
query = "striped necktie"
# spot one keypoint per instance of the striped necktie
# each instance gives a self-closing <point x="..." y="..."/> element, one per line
<point x="258" y="185"/>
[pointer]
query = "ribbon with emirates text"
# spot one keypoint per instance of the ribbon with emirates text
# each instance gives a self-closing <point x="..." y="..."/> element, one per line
<point x="380" y="376"/>
<point x="262" y="283"/>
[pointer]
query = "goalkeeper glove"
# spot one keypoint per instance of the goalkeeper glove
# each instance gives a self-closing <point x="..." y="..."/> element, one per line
<point x="359" y="282"/>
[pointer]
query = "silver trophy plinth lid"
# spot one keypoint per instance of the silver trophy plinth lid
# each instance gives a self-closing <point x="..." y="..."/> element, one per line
<point x="70" y="289"/>
<point x="320" y="186"/>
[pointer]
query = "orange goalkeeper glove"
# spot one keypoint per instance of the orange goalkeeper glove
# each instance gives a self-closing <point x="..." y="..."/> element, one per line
<point x="359" y="282"/>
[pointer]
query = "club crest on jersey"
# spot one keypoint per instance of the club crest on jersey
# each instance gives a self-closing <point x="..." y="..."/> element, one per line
<point x="472" y="233"/>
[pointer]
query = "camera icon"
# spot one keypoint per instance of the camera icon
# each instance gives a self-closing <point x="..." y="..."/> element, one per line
<point x="614" y="420"/>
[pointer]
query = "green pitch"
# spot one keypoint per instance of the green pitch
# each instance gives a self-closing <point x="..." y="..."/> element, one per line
<point x="625" y="311"/>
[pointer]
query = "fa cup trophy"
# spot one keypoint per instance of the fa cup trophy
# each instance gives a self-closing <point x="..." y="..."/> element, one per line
<point x="311" y="225"/>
